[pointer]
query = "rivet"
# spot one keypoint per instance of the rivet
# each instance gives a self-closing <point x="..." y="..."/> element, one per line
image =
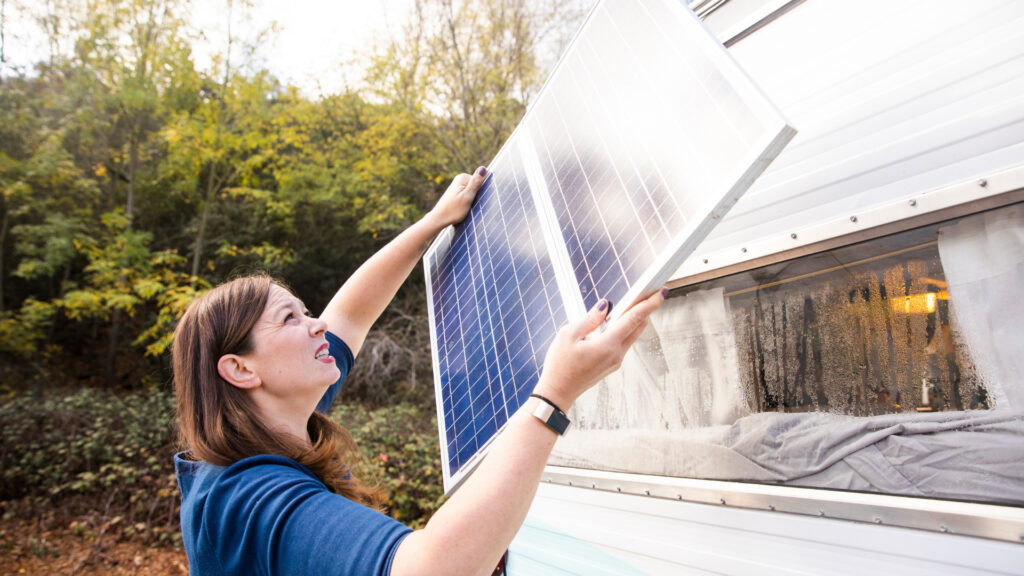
<point x="793" y="235"/>
<point x="878" y="520"/>
<point x="617" y="488"/>
<point x="771" y="507"/>
<point x="913" y="202"/>
<point x="821" y="512"/>
<point x="680" y="497"/>
<point x="853" y="218"/>
<point x="594" y="486"/>
<point x="722" y="500"/>
<point x="570" y="482"/>
<point x="982" y="182"/>
<point x="705" y="260"/>
<point x="648" y="492"/>
<point x="744" y="250"/>
<point x="944" y="528"/>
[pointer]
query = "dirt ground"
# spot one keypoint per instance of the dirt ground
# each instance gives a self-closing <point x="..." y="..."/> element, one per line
<point x="24" y="549"/>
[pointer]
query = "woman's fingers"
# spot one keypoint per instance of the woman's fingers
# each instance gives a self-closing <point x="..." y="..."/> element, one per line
<point x="458" y="199"/>
<point x="477" y="179"/>
<point x="591" y="321"/>
<point x="459" y="181"/>
<point x="631" y="324"/>
<point x="636" y="333"/>
<point x="574" y="362"/>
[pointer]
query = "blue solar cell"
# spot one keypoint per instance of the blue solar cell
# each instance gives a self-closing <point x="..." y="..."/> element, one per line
<point x="496" y="309"/>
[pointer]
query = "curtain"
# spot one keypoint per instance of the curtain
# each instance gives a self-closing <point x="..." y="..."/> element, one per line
<point x="983" y="258"/>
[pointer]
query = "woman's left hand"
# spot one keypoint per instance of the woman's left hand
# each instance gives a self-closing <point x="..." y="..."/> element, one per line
<point x="458" y="199"/>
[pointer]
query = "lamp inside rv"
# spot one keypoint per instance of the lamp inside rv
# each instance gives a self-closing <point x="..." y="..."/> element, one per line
<point x="924" y="303"/>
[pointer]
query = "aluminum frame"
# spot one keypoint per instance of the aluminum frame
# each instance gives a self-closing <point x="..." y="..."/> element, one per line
<point x="990" y="521"/>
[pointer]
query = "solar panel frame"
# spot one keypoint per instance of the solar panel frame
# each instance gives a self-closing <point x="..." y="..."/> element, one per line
<point x="677" y="28"/>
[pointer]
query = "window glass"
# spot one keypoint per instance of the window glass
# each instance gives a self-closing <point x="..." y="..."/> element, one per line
<point x="888" y="366"/>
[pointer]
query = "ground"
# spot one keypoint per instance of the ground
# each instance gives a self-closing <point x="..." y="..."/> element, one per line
<point x="25" y="549"/>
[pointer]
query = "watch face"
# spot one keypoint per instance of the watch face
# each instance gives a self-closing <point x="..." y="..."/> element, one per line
<point x="558" y="422"/>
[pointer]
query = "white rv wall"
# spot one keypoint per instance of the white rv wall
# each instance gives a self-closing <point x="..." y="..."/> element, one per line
<point x="583" y="531"/>
<point x="891" y="100"/>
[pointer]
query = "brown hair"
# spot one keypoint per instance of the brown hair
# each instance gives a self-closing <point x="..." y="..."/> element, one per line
<point x="218" y="422"/>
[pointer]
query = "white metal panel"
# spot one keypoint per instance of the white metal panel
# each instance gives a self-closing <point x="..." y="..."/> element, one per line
<point x="891" y="100"/>
<point x="583" y="531"/>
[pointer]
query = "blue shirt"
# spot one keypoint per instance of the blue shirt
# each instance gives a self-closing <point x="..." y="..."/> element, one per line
<point x="271" y="515"/>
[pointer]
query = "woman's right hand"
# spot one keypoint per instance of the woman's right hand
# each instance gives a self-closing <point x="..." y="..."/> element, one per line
<point x="484" y="514"/>
<point x="455" y="203"/>
<point x="578" y="358"/>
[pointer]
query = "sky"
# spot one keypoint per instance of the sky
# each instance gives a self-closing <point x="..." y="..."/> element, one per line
<point x="313" y="39"/>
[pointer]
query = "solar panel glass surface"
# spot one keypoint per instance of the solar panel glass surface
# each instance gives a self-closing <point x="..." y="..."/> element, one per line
<point x="496" y="309"/>
<point x="634" y="139"/>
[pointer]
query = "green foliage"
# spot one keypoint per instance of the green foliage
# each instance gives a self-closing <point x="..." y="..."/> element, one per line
<point x="121" y="271"/>
<point x="400" y="454"/>
<point x="171" y="302"/>
<point x="133" y="180"/>
<point x="86" y="442"/>
<point x="475" y="63"/>
<point x="93" y="446"/>
<point x="46" y="248"/>
<point x="22" y="332"/>
<point x="68" y="449"/>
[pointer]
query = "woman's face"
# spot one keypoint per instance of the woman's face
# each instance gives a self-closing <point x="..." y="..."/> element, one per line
<point x="289" y="351"/>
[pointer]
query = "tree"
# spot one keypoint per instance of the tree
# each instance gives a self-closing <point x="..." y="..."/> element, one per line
<point x="112" y="76"/>
<point x="135" y="73"/>
<point x="473" y="65"/>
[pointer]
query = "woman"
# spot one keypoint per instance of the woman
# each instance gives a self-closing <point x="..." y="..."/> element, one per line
<point x="264" y="487"/>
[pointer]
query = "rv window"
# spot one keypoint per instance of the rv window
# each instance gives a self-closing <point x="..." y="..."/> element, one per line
<point x="888" y="366"/>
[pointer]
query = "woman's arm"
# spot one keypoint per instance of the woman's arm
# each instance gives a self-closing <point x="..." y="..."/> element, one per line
<point x="365" y="295"/>
<point x="469" y="533"/>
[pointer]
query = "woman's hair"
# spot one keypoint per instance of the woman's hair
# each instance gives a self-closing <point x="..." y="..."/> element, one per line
<point x="218" y="422"/>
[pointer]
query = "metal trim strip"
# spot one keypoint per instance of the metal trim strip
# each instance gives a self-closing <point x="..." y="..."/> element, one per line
<point x="968" y="197"/>
<point x="991" y="521"/>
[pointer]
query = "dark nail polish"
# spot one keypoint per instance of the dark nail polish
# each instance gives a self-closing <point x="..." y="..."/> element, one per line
<point x="664" y="292"/>
<point x="602" y="305"/>
<point x="481" y="171"/>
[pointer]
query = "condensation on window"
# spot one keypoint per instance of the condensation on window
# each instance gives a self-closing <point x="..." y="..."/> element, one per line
<point x="853" y="369"/>
<point x="861" y="339"/>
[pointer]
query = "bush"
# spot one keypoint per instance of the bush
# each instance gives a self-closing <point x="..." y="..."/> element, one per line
<point x="92" y="452"/>
<point x="103" y="461"/>
<point x="400" y="454"/>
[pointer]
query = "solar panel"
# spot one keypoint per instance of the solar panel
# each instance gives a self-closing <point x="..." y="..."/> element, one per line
<point x="642" y="138"/>
<point x="495" y="310"/>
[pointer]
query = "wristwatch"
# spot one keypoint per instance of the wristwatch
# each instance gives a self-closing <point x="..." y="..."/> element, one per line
<point x="549" y="414"/>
